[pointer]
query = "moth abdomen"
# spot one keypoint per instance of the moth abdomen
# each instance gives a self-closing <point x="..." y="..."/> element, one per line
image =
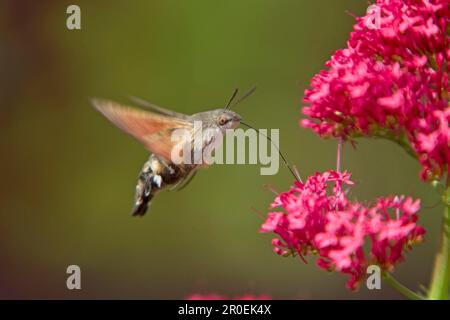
<point x="144" y="191"/>
<point x="156" y="174"/>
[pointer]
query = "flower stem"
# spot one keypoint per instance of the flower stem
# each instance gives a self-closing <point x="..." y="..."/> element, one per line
<point x="401" y="288"/>
<point x="338" y="158"/>
<point x="400" y="140"/>
<point x="441" y="272"/>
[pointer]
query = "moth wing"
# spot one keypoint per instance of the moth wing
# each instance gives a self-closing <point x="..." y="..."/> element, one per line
<point x="153" y="130"/>
<point x="155" y="108"/>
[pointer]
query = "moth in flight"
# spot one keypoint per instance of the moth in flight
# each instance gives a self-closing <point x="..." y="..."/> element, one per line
<point x="154" y="128"/>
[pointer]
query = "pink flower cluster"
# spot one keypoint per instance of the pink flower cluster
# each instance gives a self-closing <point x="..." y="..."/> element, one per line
<point x="391" y="82"/>
<point x="317" y="218"/>
<point x="213" y="296"/>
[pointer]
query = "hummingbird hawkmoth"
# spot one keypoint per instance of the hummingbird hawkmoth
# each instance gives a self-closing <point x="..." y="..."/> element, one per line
<point x="154" y="128"/>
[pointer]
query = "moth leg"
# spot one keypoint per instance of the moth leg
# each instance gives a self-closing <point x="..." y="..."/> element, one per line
<point x="183" y="183"/>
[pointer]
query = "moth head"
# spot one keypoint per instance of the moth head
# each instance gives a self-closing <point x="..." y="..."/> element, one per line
<point x="227" y="119"/>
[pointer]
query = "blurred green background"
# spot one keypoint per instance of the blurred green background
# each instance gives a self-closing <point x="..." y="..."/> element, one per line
<point x="68" y="176"/>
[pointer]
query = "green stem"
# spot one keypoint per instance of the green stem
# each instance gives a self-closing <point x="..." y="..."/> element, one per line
<point x="441" y="272"/>
<point x="401" y="140"/>
<point x="401" y="288"/>
<point x="406" y="146"/>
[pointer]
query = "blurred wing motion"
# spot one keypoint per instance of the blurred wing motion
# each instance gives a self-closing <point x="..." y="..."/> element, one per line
<point x="153" y="130"/>
<point x="153" y="107"/>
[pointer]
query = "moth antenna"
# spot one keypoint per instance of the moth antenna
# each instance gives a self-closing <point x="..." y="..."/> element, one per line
<point x="245" y="96"/>
<point x="294" y="172"/>
<point x="231" y="98"/>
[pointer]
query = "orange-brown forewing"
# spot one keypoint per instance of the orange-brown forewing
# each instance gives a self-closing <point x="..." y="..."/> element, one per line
<point x="153" y="130"/>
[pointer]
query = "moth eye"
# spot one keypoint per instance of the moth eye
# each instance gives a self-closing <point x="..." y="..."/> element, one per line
<point x="222" y="121"/>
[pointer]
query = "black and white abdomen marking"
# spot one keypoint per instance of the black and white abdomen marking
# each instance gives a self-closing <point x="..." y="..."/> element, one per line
<point x="156" y="174"/>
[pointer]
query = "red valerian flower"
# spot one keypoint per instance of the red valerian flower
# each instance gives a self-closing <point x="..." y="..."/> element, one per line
<point x="312" y="219"/>
<point x="391" y="82"/>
